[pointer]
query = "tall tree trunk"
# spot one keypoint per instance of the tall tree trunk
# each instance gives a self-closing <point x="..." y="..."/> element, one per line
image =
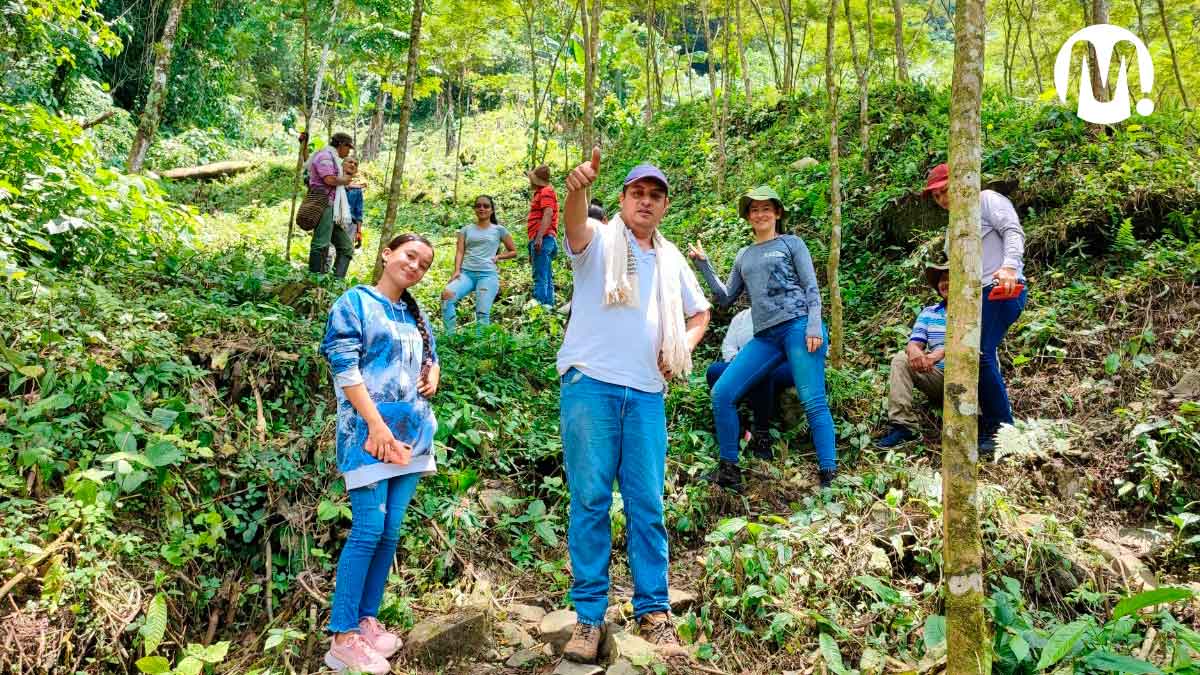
<point x="789" y="45"/>
<point x="406" y="106"/>
<point x="769" y="35"/>
<point x="651" y="66"/>
<point x="726" y="73"/>
<point x="898" y="32"/>
<point x="800" y="52"/>
<point x="968" y="644"/>
<point x="1099" y="14"/>
<point x="835" y="193"/>
<point x="370" y="146"/>
<point x="528" y="9"/>
<point x="742" y="51"/>
<point x="1008" y="41"/>
<point x="1028" y="18"/>
<point x="589" y="20"/>
<point x="718" y="130"/>
<point x="860" y="70"/>
<point x="152" y="110"/>
<point x="1162" y="14"/>
<point x="1141" y="26"/>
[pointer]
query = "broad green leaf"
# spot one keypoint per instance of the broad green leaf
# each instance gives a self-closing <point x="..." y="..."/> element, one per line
<point x="163" y="453"/>
<point x="190" y="665"/>
<point x="164" y="417"/>
<point x="1133" y="603"/>
<point x="935" y="632"/>
<point x="1061" y="642"/>
<point x="1116" y="663"/>
<point x="831" y="654"/>
<point x="546" y="532"/>
<point x="153" y="665"/>
<point x="1019" y="647"/>
<point x="273" y="641"/>
<point x="327" y="510"/>
<point x="155" y="625"/>
<point x="880" y="589"/>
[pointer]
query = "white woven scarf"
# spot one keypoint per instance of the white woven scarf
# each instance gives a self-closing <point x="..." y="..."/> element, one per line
<point x="621" y="288"/>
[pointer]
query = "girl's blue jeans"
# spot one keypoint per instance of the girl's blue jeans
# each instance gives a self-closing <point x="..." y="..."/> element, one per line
<point x="485" y="284"/>
<point x="783" y="343"/>
<point x="377" y="511"/>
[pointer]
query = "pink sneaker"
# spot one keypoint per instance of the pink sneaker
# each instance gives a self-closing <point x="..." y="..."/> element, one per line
<point x="384" y="643"/>
<point x="353" y="653"/>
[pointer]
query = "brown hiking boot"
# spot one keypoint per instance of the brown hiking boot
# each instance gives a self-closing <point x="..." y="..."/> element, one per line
<point x="657" y="629"/>
<point x="584" y="643"/>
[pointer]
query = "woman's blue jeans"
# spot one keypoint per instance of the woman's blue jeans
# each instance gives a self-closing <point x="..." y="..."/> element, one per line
<point x="485" y="284"/>
<point x="764" y="396"/>
<point x="783" y="343"/>
<point x="614" y="432"/>
<point x="996" y="318"/>
<point x="377" y="511"/>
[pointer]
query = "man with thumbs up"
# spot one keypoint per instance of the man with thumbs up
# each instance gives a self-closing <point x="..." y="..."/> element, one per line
<point x="636" y="314"/>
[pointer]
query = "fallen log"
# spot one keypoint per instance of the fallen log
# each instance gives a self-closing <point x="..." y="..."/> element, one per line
<point x="205" y="171"/>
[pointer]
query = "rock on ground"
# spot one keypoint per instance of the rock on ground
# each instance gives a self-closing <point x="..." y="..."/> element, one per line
<point x="438" y="640"/>
<point x="525" y="658"/>
<point x="681" y="600"/>
<point x="566" y="667"/>
<point x="512" y="634"/>
<point x="528" y="613"/>
<point x="622" y="667"/>
<point x="556" y="627"/>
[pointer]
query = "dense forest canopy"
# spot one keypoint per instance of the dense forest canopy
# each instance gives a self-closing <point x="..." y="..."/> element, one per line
<point x="170" y="500"/>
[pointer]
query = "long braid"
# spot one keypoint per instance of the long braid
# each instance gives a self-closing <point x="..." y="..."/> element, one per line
<point x="423" y="329"/>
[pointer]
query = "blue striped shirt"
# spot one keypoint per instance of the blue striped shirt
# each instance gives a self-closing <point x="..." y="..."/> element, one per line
<point x="930" y="329"/>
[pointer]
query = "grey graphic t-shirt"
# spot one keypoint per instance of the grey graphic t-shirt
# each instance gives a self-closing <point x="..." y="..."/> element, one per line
<point x="480" y="245"/>
<point x="778" y="274"/>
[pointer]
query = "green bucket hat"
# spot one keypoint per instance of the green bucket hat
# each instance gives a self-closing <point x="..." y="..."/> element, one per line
<point x="760" y="193"/>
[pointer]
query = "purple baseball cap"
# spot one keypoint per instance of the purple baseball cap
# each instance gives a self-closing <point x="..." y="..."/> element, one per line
<point x="647" y="170"/>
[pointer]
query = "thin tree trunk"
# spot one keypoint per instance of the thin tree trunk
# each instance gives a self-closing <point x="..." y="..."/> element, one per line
<point x="835" y="194"/>
<point x="789" y="37"/>
<point x="462" y="115"/>
<point x="968" y="644"/>
<point x="527" y="9"/>
<point x="898" y="33"/>
<point x="689" y="51"/>
<point x="769" y="34"/>
<point x="1008" y="29"/>
<point x="589" y="75"/>
<point x="406" y="106"/>
<point x="152" y="110"/>
<point x="540" y="102"/>
<point x="303" y="149"/>
<point x="1099" y="14"/>
<point x="726" y="73"/>
<point x="800" y="52"/>
<point x="1162" y="14"/>
<point x="718" y="129"/>
<point x="1141" y="27"/>
<point x="1028" y="18"/>
<point x="370" y="147"/>
<point x="742" y="52"/>
<point x="655" y="68"/>
<point x="860" y="70"/>
<point x="648" y="116"/>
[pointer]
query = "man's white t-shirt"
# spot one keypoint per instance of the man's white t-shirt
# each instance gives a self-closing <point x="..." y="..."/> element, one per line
<point x="619" y="344"/>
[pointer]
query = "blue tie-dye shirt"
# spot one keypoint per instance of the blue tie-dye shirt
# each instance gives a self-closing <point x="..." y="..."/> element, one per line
<point x="373" y="341"/>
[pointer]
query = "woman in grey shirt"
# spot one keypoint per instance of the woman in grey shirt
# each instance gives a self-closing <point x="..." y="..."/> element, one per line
<point x="785" y="303"/>
<point x="475" y="267"/>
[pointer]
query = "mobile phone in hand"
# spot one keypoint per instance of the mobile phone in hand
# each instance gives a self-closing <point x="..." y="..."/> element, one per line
<point x="997" y="292"/>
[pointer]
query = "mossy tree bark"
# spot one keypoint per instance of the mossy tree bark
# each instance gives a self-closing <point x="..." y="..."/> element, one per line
<point x="152" y="110"/>
<point x="406" y="105"/>
<point x="898" y="34"/>
<point x="862" y="69"/>
<point x="968" y="644"/>
<point x="590" y="23"/>
<point x="713" y="110"/>
<point x="835" y="192"/>
<point x="742" y="52"/>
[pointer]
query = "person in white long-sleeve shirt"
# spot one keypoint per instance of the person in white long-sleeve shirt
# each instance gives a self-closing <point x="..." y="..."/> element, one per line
<point x="1003" y="250"/>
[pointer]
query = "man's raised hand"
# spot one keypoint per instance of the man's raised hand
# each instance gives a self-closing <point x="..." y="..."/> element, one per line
<point x="585" y="174"/>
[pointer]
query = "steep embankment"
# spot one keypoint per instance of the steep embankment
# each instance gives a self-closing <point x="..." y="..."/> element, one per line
<point x="167" y="443"/>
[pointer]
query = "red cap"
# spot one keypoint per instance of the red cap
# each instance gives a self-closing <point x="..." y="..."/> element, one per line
<point x="939" y="176"/>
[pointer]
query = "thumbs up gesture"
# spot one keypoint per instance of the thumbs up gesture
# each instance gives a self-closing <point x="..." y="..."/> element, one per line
<point x="585" y="174"/>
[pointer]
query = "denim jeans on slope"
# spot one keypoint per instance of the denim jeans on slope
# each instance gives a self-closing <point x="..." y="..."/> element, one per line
<point x="760" y="356"/>
<point x="763" y="397"/>
<point x="543" y="273"/>
<point x="610" y="431"/>
<point x="485" y="284"/>
<point x="996" y="318"/>
<point x="377" y="511"/>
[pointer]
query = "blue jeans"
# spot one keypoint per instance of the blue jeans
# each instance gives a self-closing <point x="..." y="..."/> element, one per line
<point x="614" y="432"/>
<point x="485" y="284"/>
<point x="784" y="343"/>
<point x="763" y="397"/>
<point x="997" y="316"/>
<point x="377" y="511"/>
<point x="543" y="274"/>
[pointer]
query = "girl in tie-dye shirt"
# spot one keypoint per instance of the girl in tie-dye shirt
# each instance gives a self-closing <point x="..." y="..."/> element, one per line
<point x="385" y="369"/>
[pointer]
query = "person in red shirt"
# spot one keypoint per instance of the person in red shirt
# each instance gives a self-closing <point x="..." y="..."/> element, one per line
<point x="542" y="229"/>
